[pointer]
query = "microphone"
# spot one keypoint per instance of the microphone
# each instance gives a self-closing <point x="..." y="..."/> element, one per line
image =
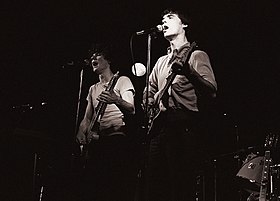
<point x="158" y="28"/>
<point x="87" y="62"/>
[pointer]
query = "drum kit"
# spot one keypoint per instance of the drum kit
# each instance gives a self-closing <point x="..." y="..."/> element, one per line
<point x="250" y="178"/>
<point x="259" y="175"/>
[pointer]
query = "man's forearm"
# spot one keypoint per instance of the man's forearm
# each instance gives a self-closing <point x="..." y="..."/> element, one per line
<point x="203" y="86"/>
<point x="124" y="106"/>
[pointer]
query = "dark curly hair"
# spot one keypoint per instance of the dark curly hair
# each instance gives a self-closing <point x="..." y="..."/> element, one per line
<point x="103" y="49"/>
<point x="107" y="50"/>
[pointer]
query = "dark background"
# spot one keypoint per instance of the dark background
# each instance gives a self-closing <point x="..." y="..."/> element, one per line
<point x="44" y="44"/>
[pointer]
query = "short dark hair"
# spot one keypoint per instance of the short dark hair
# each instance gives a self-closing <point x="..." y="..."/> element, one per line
<point x="182" y="16"/>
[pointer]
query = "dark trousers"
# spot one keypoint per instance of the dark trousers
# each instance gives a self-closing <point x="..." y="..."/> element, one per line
<point x="107" y="174"/>
<point x="172" y="158"/>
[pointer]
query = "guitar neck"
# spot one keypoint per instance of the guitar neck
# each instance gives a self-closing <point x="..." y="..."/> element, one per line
<point x="265" y="177"/>
<point x="169" y="81"/>
<point x="101" y="107"/>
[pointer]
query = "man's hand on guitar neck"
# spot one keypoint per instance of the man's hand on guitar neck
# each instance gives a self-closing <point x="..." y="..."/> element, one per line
<point x="81" y="138"/>
<point x="108" y="97"/>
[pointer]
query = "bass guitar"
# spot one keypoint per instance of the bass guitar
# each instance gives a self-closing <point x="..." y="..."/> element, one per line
<point x="93" y="128"/>
<point x="181" y="57"/>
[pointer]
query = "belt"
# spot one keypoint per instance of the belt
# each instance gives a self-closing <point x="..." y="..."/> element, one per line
<point x="112" y="131"/>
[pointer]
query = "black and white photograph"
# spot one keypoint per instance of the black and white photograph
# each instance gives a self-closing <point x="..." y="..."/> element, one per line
<point x="140" y="100"/>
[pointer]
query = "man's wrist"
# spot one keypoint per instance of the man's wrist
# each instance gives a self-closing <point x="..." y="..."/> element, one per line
<point x="192" y="74"/>
<point x="119" y="101"/>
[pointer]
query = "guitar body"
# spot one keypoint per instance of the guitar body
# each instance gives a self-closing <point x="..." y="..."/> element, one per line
<point x="153" y="115"/>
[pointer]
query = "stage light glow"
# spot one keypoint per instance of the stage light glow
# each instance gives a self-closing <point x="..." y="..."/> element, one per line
<point x="138" y="69"/>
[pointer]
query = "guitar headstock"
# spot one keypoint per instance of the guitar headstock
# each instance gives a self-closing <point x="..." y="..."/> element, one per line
<point x="271" y="140"/>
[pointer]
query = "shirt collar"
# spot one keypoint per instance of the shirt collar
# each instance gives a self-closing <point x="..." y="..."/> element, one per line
<point x="169" y="50"/>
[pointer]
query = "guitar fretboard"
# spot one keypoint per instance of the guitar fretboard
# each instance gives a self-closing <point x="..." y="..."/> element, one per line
<point x="265" y="177"/>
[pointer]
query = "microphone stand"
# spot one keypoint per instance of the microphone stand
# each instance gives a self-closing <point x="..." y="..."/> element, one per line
<point x="79" y="100"/>
<point x="148" y="71"/>
<point x="141" y="193"/>
<point x="78" y="112"/>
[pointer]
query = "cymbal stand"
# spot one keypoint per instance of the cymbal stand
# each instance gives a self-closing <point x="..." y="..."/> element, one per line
<point x="215" y="179"/>
<point x="37" y="173"/>
<point x="237" y="156"/>
<point x="274" y="177"/>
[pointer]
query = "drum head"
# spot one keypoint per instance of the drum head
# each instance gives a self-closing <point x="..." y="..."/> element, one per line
<point x="250" y="173"/>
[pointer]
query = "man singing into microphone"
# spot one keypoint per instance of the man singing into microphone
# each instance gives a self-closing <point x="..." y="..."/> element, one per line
<point x="173" y="145"/>
<point x="106" y="171"/>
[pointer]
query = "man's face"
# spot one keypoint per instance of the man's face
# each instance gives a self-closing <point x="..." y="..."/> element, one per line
<point x="172" y="25"/>
<point x="99" y="63"/>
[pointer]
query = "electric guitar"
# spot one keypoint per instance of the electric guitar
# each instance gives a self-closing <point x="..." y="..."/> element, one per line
<point x="270" y="142"/>
<point x="94" y="124"/>
<point x="182" y="57"/>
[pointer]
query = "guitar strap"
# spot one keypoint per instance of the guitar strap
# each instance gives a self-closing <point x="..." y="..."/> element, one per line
<point x="167" y="95"/>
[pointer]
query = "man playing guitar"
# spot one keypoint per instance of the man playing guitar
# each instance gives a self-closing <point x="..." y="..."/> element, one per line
<point x="104" y="133"/>
<point x="173" y="150"/>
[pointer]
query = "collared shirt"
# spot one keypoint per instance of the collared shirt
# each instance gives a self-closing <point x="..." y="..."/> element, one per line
<point x="182" y="91"/>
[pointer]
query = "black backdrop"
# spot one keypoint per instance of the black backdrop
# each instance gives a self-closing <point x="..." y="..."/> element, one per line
<point x="44" y="43"/>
